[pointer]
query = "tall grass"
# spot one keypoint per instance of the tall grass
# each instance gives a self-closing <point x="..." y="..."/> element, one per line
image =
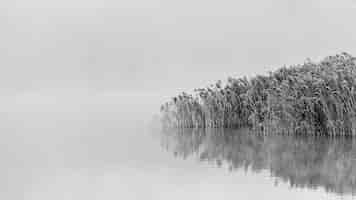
<point x="310" y="98"/>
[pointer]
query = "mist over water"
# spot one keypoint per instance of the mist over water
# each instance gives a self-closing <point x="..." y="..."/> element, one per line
<point x="44" y="136"/>
<point x="102" y="147"/>
<point x="80" y="82"/>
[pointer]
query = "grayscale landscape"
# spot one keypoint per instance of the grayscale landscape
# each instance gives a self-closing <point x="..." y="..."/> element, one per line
<point x="156" y="100"/>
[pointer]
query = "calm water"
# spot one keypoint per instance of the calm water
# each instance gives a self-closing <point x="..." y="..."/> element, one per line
<point x="100" y="147"/>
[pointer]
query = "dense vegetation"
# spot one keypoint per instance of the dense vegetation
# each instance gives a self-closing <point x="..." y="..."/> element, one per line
<point x="300" y="161"/>
<point x="310" y="98"/>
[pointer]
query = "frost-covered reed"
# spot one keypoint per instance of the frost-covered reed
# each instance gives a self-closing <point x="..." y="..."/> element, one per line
<point x="310" y="98"/>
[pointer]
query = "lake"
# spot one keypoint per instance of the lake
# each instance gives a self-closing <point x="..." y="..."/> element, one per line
<point x="104" y="147"/>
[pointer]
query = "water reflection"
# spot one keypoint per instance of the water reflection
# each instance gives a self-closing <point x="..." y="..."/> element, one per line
<point x="309" y="162"/>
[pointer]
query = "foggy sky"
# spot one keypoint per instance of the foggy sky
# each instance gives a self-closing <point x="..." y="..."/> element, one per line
<point x="162" y="45"/>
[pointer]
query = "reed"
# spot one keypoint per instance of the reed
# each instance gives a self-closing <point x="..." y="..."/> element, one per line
<point x="316" y="98"/>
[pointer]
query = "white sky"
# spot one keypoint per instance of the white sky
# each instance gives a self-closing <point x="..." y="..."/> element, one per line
<point x="165" y="46"/>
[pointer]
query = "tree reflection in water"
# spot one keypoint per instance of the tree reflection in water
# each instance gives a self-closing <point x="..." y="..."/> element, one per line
<point x="301" y="161"/>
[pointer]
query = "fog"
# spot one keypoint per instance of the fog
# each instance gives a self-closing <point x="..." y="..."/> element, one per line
<point x="161" y="47"/>
<point x="79" y="81"/>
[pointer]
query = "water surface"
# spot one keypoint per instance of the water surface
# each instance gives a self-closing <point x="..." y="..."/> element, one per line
<point x="101" y="147"/>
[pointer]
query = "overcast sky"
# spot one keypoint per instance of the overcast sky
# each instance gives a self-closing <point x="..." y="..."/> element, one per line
<point x="162" y="45"/>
